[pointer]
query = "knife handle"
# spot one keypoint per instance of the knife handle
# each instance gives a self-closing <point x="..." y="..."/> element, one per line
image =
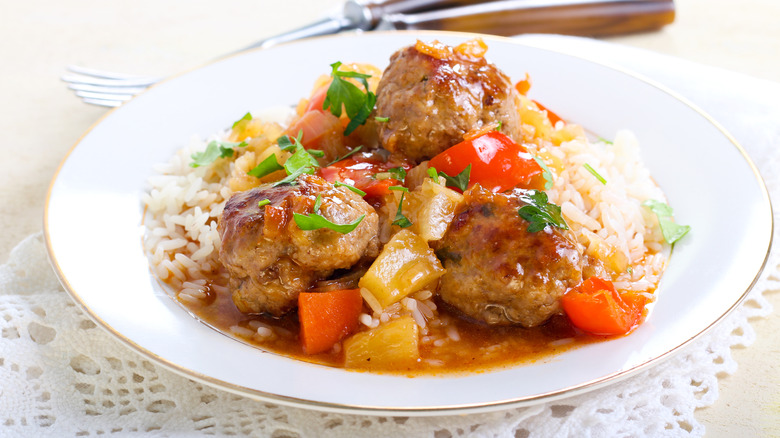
<point x="569" y="17"/>
<point x="377" y="9"/>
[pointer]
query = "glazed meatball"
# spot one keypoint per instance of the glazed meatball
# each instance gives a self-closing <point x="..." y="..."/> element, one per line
<point x="432" y="100"/>
<point x="497" y="271"/>
<point x="270" y="259"/>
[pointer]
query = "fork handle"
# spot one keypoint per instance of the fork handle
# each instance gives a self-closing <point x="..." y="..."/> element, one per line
<point x="570" y="17"/>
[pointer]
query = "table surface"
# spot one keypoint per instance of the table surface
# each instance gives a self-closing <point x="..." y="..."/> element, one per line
<point x="41" y="119"/>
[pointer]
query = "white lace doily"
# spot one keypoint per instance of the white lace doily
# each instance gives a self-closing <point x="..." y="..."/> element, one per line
<point x="61" y="375"/>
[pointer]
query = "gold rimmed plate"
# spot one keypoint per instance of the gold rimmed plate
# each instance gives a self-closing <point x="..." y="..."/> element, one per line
<point x="93" y="226"/>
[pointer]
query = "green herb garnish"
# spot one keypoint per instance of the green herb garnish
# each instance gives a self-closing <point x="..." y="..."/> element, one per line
<point x="672" y="231"/>
<point x="358" y="104"/>
<point x="347" y="155"/>
<point x="214" y="150"/>
<point x="594" y="173"/>
<point x="314" y="221"/>
<point x="399" y="188"/>
<point x="316" y="153"/>
<point x="546" y="173"/>
<point x="459" y="181"/>
<point x="267" y="167"/>
<point x="500" y="125"/>
<point x="299" y="163"/>
<point x="382" y="119"/>
<point x="352" y="188"/>
<point x="539" y="213"/>
<point x="398" y="173"/>
<point x="401" y="220"/>
<point x="247" y="116"/>
<point x="604" y="140"/>
<point x="263" y="203"/>
<point x="432" y="173"/>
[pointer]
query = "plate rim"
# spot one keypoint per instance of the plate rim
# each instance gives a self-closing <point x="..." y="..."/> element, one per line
<point x="405" y="410"/>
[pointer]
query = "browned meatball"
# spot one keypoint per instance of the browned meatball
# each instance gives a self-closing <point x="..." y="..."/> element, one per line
<point x="498" y="272"/>
<point x="431" y="101"/>
<point x="270" y="259"/>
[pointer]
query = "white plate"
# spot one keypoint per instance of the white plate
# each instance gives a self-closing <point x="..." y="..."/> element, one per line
<point x="93" y="226"/>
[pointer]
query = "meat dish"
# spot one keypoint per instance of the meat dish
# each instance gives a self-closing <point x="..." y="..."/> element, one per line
<point x="428" y="218"/>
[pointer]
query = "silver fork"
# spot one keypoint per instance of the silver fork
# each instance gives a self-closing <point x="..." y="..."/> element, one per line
<point x="500" y="17"/>
<point x="98" y="87"/>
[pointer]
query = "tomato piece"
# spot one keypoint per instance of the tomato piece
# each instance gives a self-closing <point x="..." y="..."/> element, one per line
<point x="328" y="317"/>
<point x="360" y="172"/>
<point x="497" y="162"/>
<point x="554" y="118"/>
<point x="315" y="126"/>
<point x="596" y="307"/>
<point x="317" y="99"/>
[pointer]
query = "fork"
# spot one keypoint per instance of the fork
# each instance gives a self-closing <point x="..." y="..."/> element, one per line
<point x="501" y="17"/>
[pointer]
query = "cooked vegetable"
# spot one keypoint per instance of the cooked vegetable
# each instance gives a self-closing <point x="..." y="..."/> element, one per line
<point x="540" y="213"/>
<point x="360" y="172"/>
<point x="596" y="307"/>
<point x="498" y="163"/>
<point x="327" y="317"/>
<point x="316" y="126"/>
<point x="431" y="208"/>
<point x="672" y="231"/>
<point x="357" y="104"/>
<point x="214" y="150"/>
<point x="390" y="346"/>
<point x="405" y="265"/>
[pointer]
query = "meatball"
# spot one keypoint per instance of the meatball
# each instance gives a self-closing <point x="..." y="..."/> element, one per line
<point x="431" y="101"/>
<point x="270" y="259"/>
<point x="497" y="271"/>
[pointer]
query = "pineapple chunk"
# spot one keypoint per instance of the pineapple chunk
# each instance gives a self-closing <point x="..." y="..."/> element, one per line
<point x="405" y="265"/>
<point x="431" y="208"/>
<point x="390" y="346"/>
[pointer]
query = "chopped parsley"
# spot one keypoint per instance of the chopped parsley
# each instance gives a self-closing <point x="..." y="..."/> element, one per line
<point x="594" y="173"/>
<point x="315" y="221"/>
<point x="539" y="213"/>
<point x="459" y="181"/>
<point x="401" y="220"/>
<point x="299" y="163"/>
<point x="247" y="117"/>
<point x="398" y="173"/>
<point x="214" y="150"/>
<point x="341" y="92"/>
<point x="432" y="173"/>
<point x="672" y="231"/>
<point x="546" y="173"/>
<point x="267" y="167"/>
<point x="500" y="125"/>
<point x="350" y="187"/>
<point x="347" y="155"/>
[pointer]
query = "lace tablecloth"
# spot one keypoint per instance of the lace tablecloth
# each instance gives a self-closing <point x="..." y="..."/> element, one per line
<point x="61" y="375"/>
